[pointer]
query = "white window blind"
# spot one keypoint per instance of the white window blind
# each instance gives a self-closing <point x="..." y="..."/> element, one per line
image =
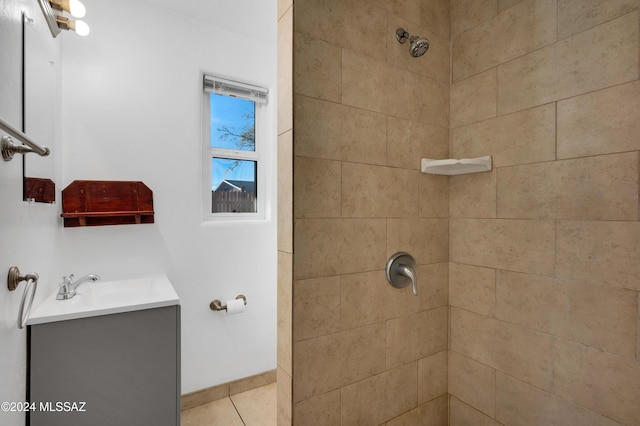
<point x="236" y="89"/>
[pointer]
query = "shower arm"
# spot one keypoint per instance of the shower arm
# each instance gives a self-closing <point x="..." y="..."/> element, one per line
<point x="402" y="35"/>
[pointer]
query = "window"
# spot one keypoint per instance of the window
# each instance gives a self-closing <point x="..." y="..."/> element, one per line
<point x="233" y="139"/>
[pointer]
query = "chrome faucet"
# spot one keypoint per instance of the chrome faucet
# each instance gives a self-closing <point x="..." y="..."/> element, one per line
<point x="68" y="288"/>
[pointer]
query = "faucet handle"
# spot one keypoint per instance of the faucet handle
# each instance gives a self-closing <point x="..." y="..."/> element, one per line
<point x="64" y="289"/>
<point x="65" y="284"/>
<point x="402" y="271"/>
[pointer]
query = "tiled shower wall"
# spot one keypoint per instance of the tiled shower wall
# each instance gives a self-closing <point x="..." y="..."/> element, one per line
<point x="543" y="272"/>
<point x="545" y="249"/>
<point x="285" y="209"/>
<point x="365" y="112"/>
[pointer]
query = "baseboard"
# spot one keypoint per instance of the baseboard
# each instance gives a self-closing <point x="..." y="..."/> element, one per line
<point x="224" y="390"/>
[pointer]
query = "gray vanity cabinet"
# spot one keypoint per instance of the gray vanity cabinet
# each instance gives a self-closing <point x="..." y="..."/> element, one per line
<point x="119" y="369"/>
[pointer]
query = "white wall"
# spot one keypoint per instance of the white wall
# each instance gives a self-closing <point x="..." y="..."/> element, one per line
<point x="131" y="100"/>
<point x="131" y="110"/>
<point x="29" y="234"/>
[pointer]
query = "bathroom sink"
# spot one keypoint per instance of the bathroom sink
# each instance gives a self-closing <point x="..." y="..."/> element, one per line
<point x="104" y="297"/>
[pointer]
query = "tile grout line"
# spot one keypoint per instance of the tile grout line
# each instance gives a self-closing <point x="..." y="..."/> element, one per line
<point x="237" y="411"/>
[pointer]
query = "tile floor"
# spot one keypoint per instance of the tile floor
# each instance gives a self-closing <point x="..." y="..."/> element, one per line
<point x="256" y="407"/>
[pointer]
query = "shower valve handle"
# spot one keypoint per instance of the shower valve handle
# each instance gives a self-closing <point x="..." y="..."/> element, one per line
<point x="401" y="271"/>
<point x="408" y="272"/>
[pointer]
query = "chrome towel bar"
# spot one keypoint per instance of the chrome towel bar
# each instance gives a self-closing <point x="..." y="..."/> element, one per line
<point x="9" y="149"/>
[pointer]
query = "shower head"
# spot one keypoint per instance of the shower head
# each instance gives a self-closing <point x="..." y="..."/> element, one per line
<point x="419" y="45"/>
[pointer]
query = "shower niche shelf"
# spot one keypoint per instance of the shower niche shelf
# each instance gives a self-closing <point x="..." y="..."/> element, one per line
<point x="98" y="202"/>
<point x="452" y="166"/>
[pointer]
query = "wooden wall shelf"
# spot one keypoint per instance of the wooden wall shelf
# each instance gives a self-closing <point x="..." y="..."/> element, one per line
<point x="39" y="190"/>
<point x="101" y="202"/>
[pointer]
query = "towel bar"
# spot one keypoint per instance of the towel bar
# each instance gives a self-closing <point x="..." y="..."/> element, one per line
<point x="14" y="277"/>
<point x="9" y="149"/>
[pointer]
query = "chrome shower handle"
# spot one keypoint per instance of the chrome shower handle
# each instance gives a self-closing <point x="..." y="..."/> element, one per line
<point x="408" y="272"/>
<point x="401" y="271"/>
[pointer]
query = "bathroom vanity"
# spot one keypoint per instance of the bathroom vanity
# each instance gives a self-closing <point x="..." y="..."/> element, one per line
<point x="108" y="356"/>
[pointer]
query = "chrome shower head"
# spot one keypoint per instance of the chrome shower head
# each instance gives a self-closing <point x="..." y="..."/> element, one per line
<point x="419" y="45"/>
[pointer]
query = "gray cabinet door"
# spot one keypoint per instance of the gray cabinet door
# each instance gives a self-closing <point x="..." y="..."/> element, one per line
<point x="120" y="369"/>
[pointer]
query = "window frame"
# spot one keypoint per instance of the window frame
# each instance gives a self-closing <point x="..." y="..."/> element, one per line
<point x="260" y="117"/>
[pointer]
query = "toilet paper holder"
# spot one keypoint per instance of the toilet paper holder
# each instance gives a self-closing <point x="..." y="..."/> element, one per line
<point x="216" y="305"/>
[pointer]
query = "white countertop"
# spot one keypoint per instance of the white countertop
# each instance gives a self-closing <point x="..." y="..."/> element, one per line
<point x="107" y="297"/>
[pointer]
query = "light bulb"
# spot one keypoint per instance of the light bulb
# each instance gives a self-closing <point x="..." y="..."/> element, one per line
<point x="74" y="7"/>
<point x="77" y="9"/>
<point x="81" y="28"/>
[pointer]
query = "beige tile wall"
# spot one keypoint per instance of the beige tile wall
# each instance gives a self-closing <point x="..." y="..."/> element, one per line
<point x="544" y="250"/>
<point x="365" y="112"/>
<point x="537" y="260"/>
<point x="285" y="213"/>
